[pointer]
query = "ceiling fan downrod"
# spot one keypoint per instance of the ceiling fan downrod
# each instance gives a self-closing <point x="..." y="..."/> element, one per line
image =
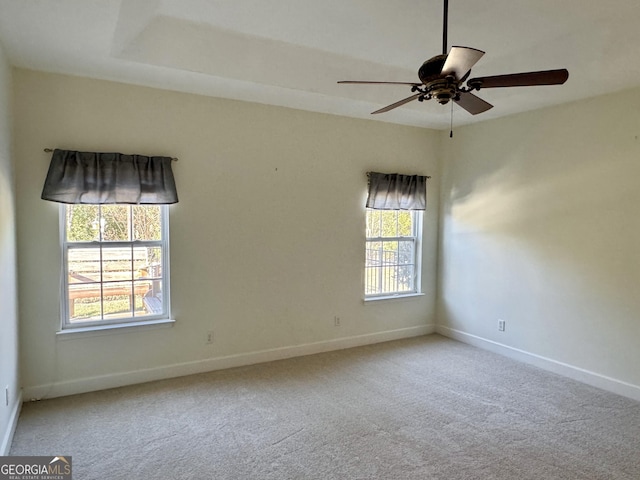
<point x="445" y="23"/>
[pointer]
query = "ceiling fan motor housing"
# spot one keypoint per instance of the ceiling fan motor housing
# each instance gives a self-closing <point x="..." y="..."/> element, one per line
<point x="431" y="69"/>
<point x="441" y="88"/>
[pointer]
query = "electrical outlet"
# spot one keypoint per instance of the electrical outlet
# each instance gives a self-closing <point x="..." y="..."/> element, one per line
<point x="336" y="321"/>
<point x="209" y="337"/>
<point x="501" y="325"/>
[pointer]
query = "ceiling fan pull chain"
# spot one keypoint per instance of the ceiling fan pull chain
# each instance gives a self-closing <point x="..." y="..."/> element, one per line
<point x="451" y="124"/>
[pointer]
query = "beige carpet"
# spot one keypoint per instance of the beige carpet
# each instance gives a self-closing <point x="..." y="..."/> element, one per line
<point x="423" y="408"/>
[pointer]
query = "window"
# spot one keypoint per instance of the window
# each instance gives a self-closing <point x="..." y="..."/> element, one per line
<point x="392" y="266"/>
<point x="115" y="260"/>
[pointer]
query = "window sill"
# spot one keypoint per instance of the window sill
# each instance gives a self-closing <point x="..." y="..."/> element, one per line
<point x="76" y="332"/>
<point x="387" y="298"/>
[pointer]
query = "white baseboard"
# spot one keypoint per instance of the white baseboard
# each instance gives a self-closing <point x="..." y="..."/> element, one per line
<point x="11" y="427"/>
<point x="90" y="384"/>
<point x="576" y="373"/>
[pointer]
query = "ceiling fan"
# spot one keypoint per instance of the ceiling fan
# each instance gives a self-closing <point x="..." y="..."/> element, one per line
<point x="442" y="77"/>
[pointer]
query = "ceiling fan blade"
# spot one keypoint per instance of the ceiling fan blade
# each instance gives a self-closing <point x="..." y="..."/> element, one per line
<point x="472" y="104"/>
<point x="528" y="79"/>
<point x="397" y="104"/>
<point x="460" y="60"/>
<point x="366" y="82"/>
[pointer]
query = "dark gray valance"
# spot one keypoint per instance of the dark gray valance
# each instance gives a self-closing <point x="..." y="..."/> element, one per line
<point x="393" y="191"/>
<point x="103" y="178"/>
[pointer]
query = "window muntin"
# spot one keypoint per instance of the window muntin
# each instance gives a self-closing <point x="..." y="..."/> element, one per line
<point x="392" y="262"/>
<point x="115" y="260"/>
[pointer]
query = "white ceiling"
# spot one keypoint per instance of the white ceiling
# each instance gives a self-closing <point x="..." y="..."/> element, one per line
<point x="292" y="52"/>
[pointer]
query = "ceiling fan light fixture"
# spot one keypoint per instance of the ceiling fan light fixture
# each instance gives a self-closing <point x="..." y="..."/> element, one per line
<point x="443" y="97"/>
<point x="442" y="89"/>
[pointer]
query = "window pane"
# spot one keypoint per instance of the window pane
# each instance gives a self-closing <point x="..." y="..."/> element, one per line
<point x="149" y="298"/>
<point x="372" y="267"/>
<point x="405" y="252"/>
<point x="388" y="280"/>
<point x="115" y="223"/>
<point x="117" y="300"/>
<point x="84" y="302"/>
<point x="374" y="254"/>
<point x="405" y="278"/>
<point x="83" y="265"/>
<point x="405" y="224"/>
<point x="117" y="263"/>
<point x="82" y="223"/>
<point x="371" y="283"/>
<point x="373" y="223"/>
<point x="390" y="253"/>
<point x="154" y="260"/>
<point x="147" y="222"/>
<point x="147" y="262"/>
<point x="389" y="223"/>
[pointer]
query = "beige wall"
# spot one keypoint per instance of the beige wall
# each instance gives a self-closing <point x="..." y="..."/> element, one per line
<point x="9" y="371"/>
<point x="540" y="227"/>
<point x="538" y="221"/>
<point x="267" y="242"/>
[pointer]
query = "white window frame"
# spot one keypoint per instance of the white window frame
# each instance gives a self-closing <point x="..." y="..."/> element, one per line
<point x="164" y="316"/>
<point x="416" y="239"/>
